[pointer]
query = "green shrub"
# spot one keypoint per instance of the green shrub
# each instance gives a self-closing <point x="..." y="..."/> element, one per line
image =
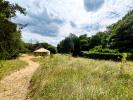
<point x="103" y="50"/>
<point x="5" y="55"/>
<point x="105" y="56"/>
<point x="130" y="56"/>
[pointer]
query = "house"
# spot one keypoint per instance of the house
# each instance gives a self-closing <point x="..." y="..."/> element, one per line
<point x="41" y="52"/>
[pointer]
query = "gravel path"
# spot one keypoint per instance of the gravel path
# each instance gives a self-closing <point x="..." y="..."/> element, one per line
<point x="15" y="86"/>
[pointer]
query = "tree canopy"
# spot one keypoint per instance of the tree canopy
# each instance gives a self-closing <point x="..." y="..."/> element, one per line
<point x="10" y="37"/>
<point x="70" y="44"/>
<point x="122" y="34"/>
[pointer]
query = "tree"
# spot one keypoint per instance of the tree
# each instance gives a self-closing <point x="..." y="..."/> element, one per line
<point x="8" y="10"/>
<point x="84" y="41"/>
<point x="10" y="37"/>
<point x="76" y="45"/>
<point x="52" y="49"/>
<point x="122" y="34"/>
<point x="70" y="44"/>
<point x="101" y="38"/>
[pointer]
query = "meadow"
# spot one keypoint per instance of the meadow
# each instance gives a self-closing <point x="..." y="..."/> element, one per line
<point x="9" y="66"/>
<point x="62" y="77"/>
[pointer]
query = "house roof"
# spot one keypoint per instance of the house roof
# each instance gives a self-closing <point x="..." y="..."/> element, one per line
<point x="41" y="50"/>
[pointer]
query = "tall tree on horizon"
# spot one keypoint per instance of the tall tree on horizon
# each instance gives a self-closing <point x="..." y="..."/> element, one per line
<point x="70" y="44"/>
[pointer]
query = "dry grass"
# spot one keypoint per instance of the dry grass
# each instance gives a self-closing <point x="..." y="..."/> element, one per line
<point x="9" y="66"/>
<point x="66" y="78"/>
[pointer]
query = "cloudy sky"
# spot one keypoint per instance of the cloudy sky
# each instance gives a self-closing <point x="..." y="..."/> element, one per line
<point x="52" y="20"/>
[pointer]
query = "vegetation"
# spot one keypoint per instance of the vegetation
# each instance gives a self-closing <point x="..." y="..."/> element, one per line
<point x="84" y="42"/>
<point x="30" y="47"/>
<point x="105" y="56"/>
<point x="64" y="77"/>
<point x="9" y="66"/>
<point x="116" y="39"/>
<point x="103" y="50"/>
<point x="122" y="34"/>
<point x="101" y="38"/>
<point x="10" y="37"/>
<point x="70" y="44"/>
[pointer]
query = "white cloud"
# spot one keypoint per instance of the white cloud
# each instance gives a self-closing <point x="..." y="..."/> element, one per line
<point x="34" y="37"/>
<point x="52" y="20"/>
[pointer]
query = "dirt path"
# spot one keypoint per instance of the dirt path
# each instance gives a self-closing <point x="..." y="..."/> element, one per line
<point x="15" y="86"/>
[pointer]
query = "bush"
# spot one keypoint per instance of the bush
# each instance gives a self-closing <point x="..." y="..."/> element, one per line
<point x="105" y="56"/>
<point x="104" y="50"/>
<point x="6" y="55"/>
<point x="130" y="56"/>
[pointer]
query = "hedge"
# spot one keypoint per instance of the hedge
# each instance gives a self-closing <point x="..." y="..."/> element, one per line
<point x="5" y="56"/>
<point x="105" y="56"/>
<point x="130" y="56"/>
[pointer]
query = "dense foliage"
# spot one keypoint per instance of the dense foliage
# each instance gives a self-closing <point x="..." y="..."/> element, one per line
<point x="70" y="44"/>
<point x="106" y="56"/>
<point x="100" y="55"/>
<point x="101" y="38"/>
<point x="103" y="50"/>
<point x="122" y="34"/>
<point x="10" y="37"/>
<point x="84" y="41"/>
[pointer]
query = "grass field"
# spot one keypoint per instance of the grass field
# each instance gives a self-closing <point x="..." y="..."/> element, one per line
<point x="9" y="66"/>
<point x="66" y="78"/>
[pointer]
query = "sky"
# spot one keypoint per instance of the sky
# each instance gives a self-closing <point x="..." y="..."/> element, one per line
<point x="52" y="20"/>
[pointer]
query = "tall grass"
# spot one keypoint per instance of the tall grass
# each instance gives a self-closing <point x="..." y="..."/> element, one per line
<point x="9" y="66"/>
<point x="66" y="78"/>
